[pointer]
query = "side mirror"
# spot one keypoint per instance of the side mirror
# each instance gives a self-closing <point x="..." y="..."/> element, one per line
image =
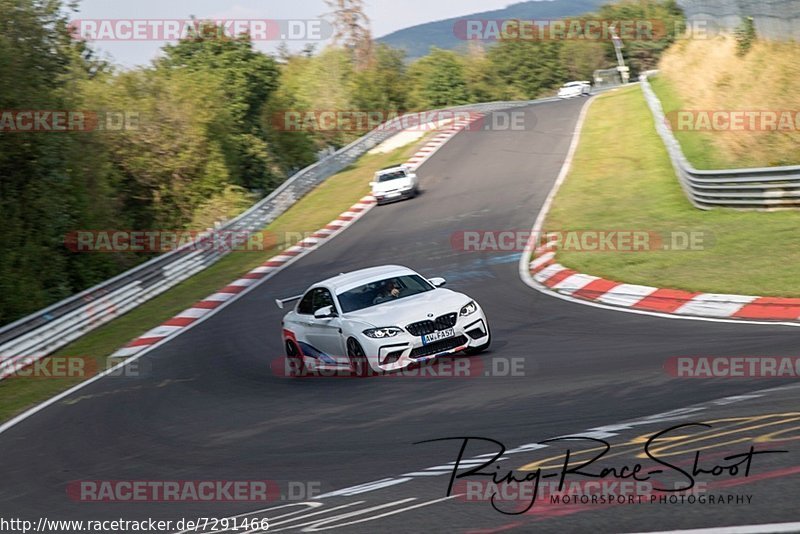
<point x="325" y="312"/>
<point x="438" y="281"/>
<point x="373" y="184"/>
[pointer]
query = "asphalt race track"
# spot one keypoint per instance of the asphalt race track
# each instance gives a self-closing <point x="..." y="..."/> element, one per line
<point x="209" y="407"/>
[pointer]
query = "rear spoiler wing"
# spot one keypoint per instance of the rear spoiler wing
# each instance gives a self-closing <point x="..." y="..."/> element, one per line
<point x="282" y="302"/>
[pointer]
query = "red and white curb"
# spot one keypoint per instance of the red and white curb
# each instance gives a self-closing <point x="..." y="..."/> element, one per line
<point x="548" y="273"/>
<point x="216" y="301"/>
<point x="543" y="273"/>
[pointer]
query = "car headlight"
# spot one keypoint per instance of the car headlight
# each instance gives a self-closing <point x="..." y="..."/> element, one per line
<point x="469" y="308"/>
<point x="380" y="333"/>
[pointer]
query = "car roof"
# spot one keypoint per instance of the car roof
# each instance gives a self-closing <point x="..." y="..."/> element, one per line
<point x="575" y="83"/>
<point x="393" y="168"/>
<point x="347" y="281"/>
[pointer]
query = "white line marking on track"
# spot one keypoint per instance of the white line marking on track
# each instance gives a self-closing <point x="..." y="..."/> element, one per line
<point x="363" y="488"/>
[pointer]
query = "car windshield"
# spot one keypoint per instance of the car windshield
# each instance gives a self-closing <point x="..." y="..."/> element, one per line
<point x="382" y="291"/>
<point x="391" y="176"/>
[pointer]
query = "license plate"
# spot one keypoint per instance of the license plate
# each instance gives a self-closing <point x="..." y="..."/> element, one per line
<point x="438" y="336"/>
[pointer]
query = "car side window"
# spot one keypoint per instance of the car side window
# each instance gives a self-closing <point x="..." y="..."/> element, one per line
<point x="322" y="298"/>
<point x="306" y="306"/>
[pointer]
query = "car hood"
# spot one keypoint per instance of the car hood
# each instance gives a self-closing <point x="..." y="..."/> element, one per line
<point x="391" y="185"/>
<point x="412" y="309"/>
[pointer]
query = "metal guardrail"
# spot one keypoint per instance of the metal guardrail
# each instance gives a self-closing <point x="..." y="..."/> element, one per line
<point x="45" y="331"/>
<point x="755" y="188"/>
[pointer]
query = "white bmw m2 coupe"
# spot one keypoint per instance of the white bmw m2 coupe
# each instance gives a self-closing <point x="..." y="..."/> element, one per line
<point x="380" y="319"/>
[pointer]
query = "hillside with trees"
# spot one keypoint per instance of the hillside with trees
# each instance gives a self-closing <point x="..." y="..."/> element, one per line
<point x="205" y="144"/>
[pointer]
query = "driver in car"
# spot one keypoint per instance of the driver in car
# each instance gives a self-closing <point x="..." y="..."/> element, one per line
<point x="388" y="291"/>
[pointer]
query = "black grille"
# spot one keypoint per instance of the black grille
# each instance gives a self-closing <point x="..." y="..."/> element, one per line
<point x="438" y="346"/>
<point x="423" y="328"/>
<point x="446" y="321"/>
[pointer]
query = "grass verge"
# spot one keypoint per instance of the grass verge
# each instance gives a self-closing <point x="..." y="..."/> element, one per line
<point x="697" y="146"/>
<point x="707" y="75"/>
<point x="622" y="179"/>
<point x="311" y="213"/>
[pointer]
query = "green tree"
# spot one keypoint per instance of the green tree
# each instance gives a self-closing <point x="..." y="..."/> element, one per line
<point x="526" y="69"/>
<point x="174" y="158"/>
<point x="581" y="58"/>
<point x="478" y="74"/>
<point x="438" y="80"/>
<point x="317" y="84"/>
<point x="49" y="182"/>
<point x="383" y="86"/>
<point x="249" y="78"/>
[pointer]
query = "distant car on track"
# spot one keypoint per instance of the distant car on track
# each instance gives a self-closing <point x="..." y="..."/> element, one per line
<point x="573" y="89"/>
<point x="380" y="319"/>
<point x="394" y="183"/>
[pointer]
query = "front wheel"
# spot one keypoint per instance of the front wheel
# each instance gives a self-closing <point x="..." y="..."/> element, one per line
<point x="296" y="366"/>
<point x="358" y="359"/>
<point x="481" y="348"/>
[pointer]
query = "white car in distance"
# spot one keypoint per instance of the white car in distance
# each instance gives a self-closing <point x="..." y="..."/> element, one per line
<point x="394" y="183"/>
<point x="379" y="319"/>
<point x="573" y="89"/>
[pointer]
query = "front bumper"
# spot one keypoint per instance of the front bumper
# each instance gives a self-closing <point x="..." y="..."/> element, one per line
<point x="394" y="196"/>
<point x="395" y="353"/>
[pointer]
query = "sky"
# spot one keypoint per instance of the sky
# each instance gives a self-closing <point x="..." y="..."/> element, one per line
<point x="386" y="16"/>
